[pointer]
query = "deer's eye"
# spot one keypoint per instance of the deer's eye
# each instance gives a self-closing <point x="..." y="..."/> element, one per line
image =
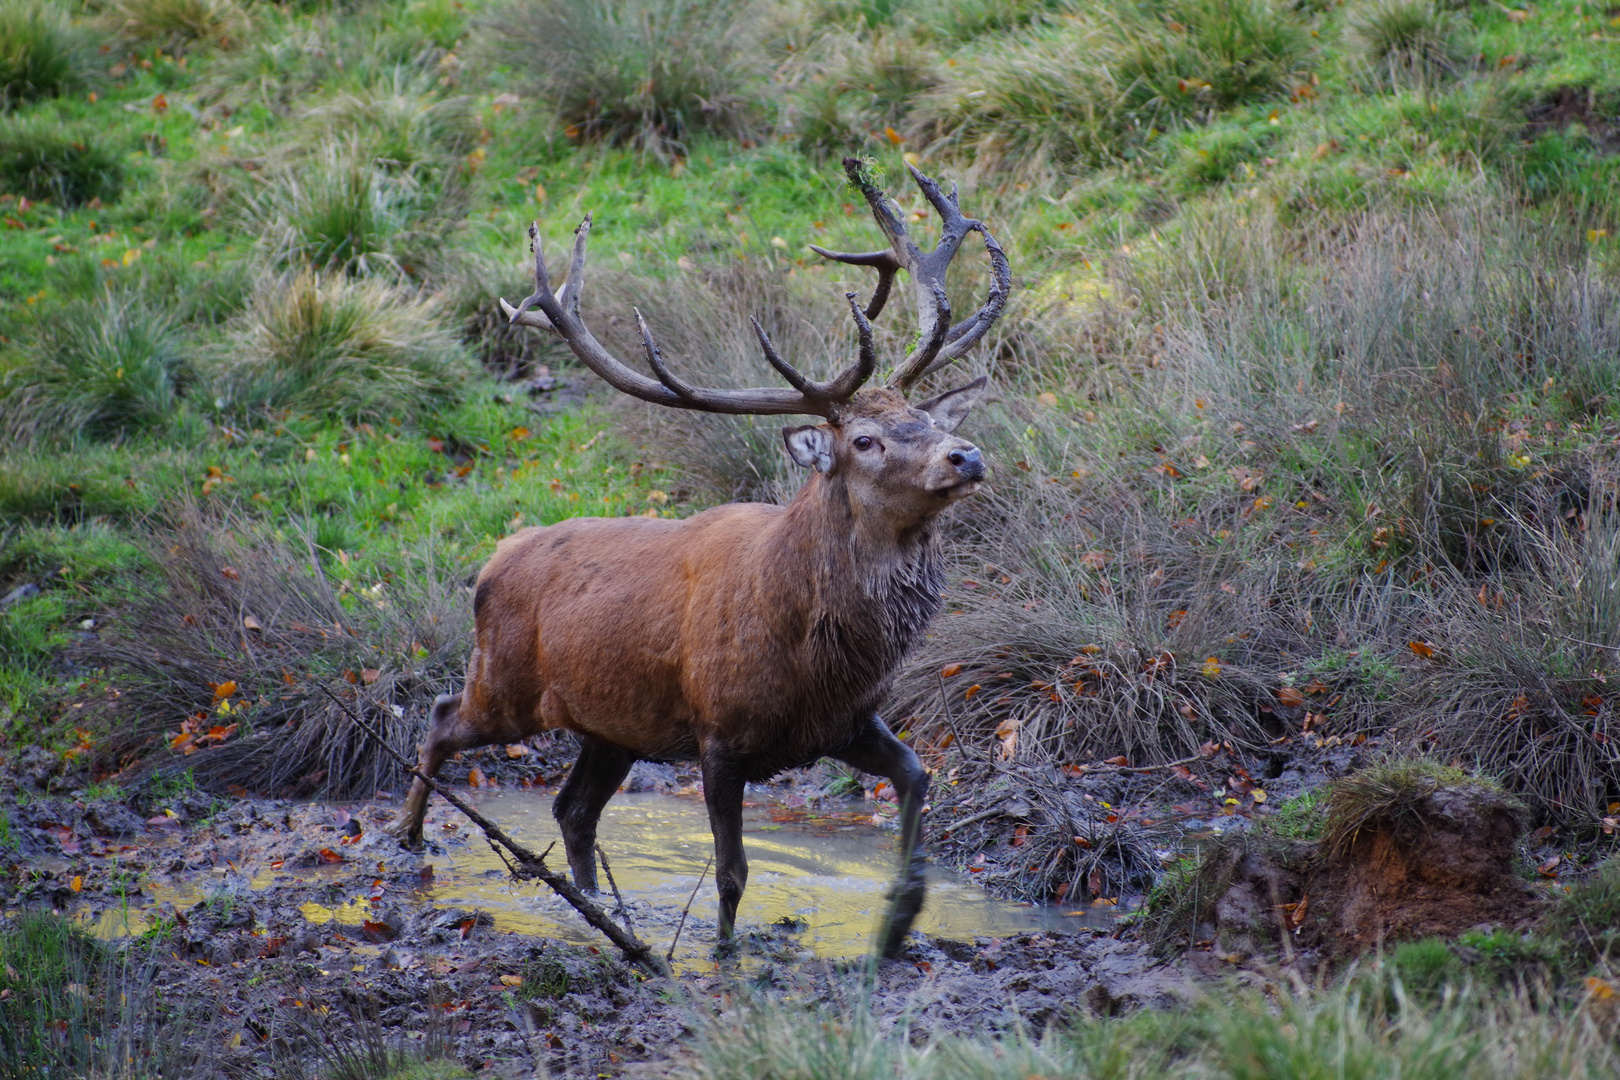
<point x="863" y="442"/>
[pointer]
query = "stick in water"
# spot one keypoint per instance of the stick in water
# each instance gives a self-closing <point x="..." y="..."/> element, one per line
<point x="528" y="864"/>
<point x="669" y="957"/>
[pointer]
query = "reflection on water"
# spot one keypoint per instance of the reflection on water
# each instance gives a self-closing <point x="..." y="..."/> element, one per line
<point x="826" y="871"/>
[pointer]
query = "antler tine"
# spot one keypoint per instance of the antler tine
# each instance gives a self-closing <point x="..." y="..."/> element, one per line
<point x="559" y="313"/>
<point x="886" y="265"/>
<point x="655" y="360"/>
<point x="783" y="368"/>
<point x="852" y="379"/>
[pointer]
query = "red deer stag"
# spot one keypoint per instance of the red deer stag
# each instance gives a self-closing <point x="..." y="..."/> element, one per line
<point x="751" y="638"/>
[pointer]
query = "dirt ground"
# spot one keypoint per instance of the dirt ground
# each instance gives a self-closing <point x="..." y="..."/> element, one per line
<point x="275" y="917"/>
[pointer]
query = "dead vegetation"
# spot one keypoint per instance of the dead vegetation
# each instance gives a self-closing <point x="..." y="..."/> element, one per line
<point x="224" y="674"/>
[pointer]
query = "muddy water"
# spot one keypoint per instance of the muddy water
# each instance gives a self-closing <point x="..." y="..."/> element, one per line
<point x="828" y="871"/>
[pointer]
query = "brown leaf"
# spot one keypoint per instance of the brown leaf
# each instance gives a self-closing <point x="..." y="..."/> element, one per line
<point x="1316" y="686"/>
<point x="1422" y="648"/>
<point x="950" y="671"/>
<point x="327" y="855"/>
<point x="511" y="980"/>
<point x="378" y="933"/>
<point x="224" y="690"/>
<point x="1094" y="560"/>
<point x="229" y="573"/>
<point x="475" y="778"/>
<point x="369" y="675"/>
<point x="1288" y="695"/>
<point x="1122" y="761"/>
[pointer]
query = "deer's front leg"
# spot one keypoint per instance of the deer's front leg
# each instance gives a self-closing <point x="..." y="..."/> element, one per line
<point x="723" y="792"/>
<point x="876" y="750"/>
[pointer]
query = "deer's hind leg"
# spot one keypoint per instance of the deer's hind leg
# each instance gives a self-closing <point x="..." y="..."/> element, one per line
<point x="597" y="773"/>
<point x="448" y="735"/>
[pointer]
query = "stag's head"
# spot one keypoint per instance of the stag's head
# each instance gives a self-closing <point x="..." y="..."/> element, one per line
<point x="899" y="459"/>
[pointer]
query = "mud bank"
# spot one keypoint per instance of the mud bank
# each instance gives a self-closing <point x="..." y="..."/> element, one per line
<point x="264" y="921"/>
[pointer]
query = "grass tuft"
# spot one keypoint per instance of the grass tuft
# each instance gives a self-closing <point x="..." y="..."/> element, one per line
<point x="360" y="350"/>
<point x="1388" y="795"/>
<point x="97" y="369"/>
<point x="42" y="53"/>
<point x="69" y="165"/>
<point x="178" y="25"/>
<point x="1407" y="42"/>
<point x="647" y="74"/>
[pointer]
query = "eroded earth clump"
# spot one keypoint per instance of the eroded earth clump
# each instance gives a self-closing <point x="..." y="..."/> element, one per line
<point x="1396" y="851"/>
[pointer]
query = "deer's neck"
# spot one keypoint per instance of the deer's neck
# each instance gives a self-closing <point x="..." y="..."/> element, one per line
<point x="869" y="589"/>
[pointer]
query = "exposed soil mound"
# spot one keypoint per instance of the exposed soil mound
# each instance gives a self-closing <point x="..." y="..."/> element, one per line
<point x="1405" y="850"/>
<point x="1441" y="865"/>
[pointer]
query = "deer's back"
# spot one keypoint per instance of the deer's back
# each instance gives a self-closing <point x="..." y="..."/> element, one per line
<point x="651" y="634"/>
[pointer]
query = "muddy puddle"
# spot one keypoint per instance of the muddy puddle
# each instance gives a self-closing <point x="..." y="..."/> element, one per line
<point x="826" y="870"/>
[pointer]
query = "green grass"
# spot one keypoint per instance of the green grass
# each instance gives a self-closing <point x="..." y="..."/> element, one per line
<point x="1363" y="260"/>
<point x="1368" y="1025"/>
<point x="43" y="52"/>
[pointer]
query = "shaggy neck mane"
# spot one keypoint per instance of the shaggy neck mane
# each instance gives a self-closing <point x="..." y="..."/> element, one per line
<point x="869" y="592"/>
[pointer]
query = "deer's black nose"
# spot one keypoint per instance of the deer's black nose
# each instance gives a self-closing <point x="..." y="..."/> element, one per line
<point x="968" y="461"/>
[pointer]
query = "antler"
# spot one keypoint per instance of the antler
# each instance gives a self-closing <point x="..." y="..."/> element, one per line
<point x="559" y="313"/>
<point x="939" y="342"/>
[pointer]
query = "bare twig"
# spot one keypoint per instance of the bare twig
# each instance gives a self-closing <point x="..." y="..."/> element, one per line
<point x="527" y="864"/>
<point x="982" y="815"/>
<point x="669" y="957"/>
<point x="623" y="912"/>
<point x="1105" y="767"/>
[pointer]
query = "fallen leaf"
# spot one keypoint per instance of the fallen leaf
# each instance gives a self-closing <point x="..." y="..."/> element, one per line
<point x="369" y="675"/>
<point x="1212" y="668"/>
<point x="327" y="855"/>
<point x="950" y="671"/>
<point x="1288" y="695"/>
<point x="511" y="980"/>
<point x="1550" y="867"/>
<point x="475" y="778"/>
<point x="1258" y="795"/>
<point x="224" y="689"/>
<point x="77" y="884"/>
<point x="1122" y="761"/>
<point x="1422" y="648"/>
<point x="378" y="933"/>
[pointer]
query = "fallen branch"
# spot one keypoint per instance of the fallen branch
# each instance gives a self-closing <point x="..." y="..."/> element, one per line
<point x="527" y="864"/>
<point x="669" y="957"/>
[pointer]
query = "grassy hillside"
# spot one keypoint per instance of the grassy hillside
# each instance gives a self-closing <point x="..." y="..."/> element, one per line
<point x="1308" y="389"/>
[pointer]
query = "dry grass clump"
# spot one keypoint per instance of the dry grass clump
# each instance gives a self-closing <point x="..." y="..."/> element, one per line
<point x="244" y="637"/>
<point x="178" y="25"/>
<point x="42" y="52"/>
<point x="649" y="74"/>
<point x="102" y="368"/>
<point x="357" y="349"/>
<point x="1091" y="89"/>
<point x="400" y="120"/>
<point x="349" y="205"/>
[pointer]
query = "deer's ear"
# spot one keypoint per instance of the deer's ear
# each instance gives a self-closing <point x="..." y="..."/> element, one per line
<point x="949" y="409"/>
<point x="810" y="446"/>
